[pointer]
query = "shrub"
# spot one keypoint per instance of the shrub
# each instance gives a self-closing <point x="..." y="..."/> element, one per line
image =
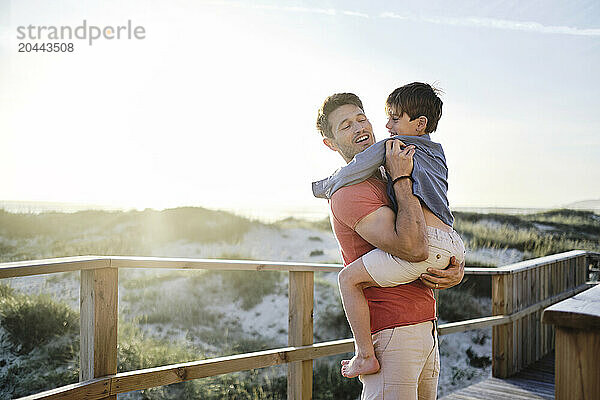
<point x="5" y="290"/>
<point x="329" y="384"/>
<point x="135" y="351"/>
<point x="459" y="305"/>
<point x="478" y="361"/>
<point x="53" y="364"/>
<point x="32" y="321"/>
<point x="249" y="286"/>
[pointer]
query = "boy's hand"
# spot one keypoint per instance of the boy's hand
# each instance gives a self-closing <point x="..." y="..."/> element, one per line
<point x="444" y="278"/>
<point x="398" y="158"/>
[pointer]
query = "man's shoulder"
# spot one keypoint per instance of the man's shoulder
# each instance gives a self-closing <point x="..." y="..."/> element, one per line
<point x="352" y="203"/>
<point x="371" y="187"/>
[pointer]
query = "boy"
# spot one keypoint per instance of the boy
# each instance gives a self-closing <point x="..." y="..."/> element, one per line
<point x="414" y="111"/>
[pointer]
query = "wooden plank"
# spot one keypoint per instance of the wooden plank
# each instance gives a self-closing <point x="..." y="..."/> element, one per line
<point x="518" y="344"/>
<point x="549" y="329"/>
<point x="300" y="332"/>
<point x="90" y="390"/>
<point x="159" y="376"/>
<point x="508" y="335"/>
<point x="476" y="323"/>
<point x="533" y="322"/>
<point x="544" y="295"/>
<point x="535" y="382"/>
<point x="577" y="364"/>
<point x="551" y="272"/>
<point x="578" y="269"/>
<point x="549" y="301"/>
<point x="241" y="265"/>
<point x="536" y="262"/>
<point x="553" y="290"/>
<point x="572" y="269"/>
<point x="495" y="320"/>
<point x="51" y="265"/>
<point x="515" y="326"/>
<point x="558" y="277"/>
<point x="581" y="311"/>
<point x="499" y="357"/>
<point x="562" y="276"/>
<point x="581" y="267"/>
<point x="527" y="330"/>
<point x="501" y="338"/>
<point x="98" y="326"/>
<point x="538" y="314"/>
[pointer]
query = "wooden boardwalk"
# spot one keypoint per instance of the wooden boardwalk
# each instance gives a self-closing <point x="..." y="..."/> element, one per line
<point x="534" y="382"/>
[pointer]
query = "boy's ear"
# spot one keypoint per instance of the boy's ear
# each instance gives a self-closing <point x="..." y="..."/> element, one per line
<point x="421" y="123"/>
<point x="330" y="143"/>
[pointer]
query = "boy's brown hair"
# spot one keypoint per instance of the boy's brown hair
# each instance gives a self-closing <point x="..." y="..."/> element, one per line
<point x="331" y="104"/>
<point x="416" y="99"/>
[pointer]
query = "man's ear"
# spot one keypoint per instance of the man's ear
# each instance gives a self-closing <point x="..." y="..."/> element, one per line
<point x="330" y="143"/>
<point x="421" y="123"/>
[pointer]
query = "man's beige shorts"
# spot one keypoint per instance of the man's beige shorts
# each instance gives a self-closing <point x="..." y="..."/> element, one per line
<point x="388" y="270"/>
<point x="410" y="364"/>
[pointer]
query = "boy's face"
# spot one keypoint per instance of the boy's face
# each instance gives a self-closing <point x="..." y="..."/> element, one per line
<point x="402" y="125"/>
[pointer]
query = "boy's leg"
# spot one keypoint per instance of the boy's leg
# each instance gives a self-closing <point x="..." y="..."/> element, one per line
<point x="388" y="270"/>
<point x="352" y="280"/>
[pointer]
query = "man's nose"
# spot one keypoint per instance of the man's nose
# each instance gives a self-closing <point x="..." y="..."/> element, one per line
<point x="357" y="126"/>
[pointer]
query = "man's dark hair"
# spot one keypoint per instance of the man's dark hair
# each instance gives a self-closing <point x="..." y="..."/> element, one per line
<point x="331" y="104"/>
<point x="416" y="99"/>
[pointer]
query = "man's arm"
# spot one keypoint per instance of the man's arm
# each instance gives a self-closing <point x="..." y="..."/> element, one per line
<point x="444" y="278"/>
<point x="403" y="234"/>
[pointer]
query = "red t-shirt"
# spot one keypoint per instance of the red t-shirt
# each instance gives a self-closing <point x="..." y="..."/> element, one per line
<point x="390" y="306"/>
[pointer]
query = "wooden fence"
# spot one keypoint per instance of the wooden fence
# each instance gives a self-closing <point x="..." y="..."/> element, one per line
<point x="519" y="294"/>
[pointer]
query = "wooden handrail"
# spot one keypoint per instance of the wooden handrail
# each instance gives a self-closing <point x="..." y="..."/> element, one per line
<point x="519" y="293"/>
<point x="69" y="264"/>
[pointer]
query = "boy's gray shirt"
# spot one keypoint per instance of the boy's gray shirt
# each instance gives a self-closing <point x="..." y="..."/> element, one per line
<point x="430" y="174"/>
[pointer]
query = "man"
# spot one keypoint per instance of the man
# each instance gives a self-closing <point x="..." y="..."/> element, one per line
<point x="402" y="317"/>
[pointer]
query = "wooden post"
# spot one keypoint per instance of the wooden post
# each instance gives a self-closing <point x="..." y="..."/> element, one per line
<point x="577" y="322"/>
<point x="502" y="335"/>
<point x="98" y="330"/>
<point x="300" y="333"/>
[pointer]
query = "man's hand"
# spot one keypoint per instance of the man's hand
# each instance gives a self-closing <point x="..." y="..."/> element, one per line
<point x="398" y="158"/>
<point x="444" y="278"/>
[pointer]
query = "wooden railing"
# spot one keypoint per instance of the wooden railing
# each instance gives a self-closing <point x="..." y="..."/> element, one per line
<point x="519" y="293"/>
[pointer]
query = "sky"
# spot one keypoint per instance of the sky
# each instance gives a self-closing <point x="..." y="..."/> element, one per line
<point x="216" y="105"/>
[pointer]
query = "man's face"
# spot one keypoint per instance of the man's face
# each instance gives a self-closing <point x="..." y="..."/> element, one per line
<point x="352" y="131"/>
<point x="402" y="125"/>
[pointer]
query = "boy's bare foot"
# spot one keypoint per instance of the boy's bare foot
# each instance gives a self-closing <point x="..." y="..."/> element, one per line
<point x="359" y="366"/>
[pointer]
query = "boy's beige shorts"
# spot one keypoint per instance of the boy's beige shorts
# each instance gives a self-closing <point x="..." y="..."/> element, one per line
<point x="388" y="270"/>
